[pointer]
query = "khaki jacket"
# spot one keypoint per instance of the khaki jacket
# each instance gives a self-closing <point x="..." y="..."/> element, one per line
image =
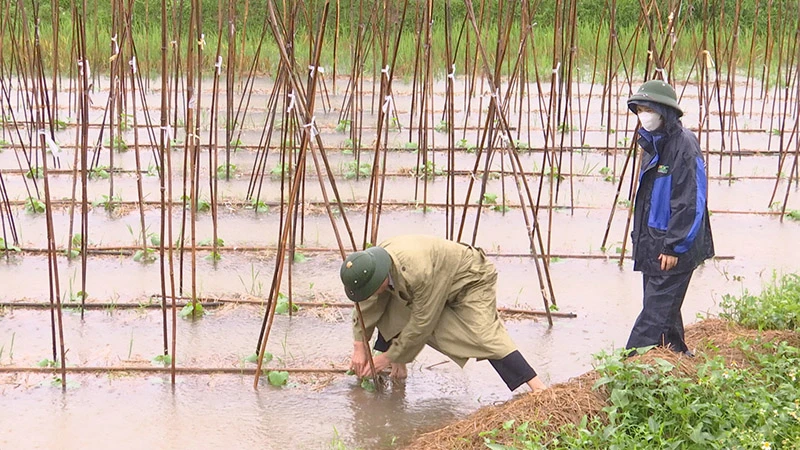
<point x="442" y="293"/>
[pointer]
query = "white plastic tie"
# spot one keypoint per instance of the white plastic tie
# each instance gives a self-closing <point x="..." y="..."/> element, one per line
<point x="218" y="65"/>
<point x="192" y="103"/>
<point x="452" y="74"/>
<point x="132" y="62"/>
<point x="291" y="102"/>
<point x="385" y="71"/>
<point x="55" y="150"/>
<point x="388" y="105"/>
<point x="709" y="59"/>
<point x="168" y="131"/>
<point x="312" y="126"/>
<point x="320" y="69"/>
<point x="83" y="67"/>
<point x="202" y="41"/>
<point x="116" y="49"/>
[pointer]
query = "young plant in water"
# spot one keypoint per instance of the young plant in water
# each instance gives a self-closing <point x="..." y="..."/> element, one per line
<point x="277" y="377"/>
<point x="254" y="358"/>
<point x="34" y="172"/>
<point x="162" y="360"/>
<point x="282" y="307"/>
<point x="193" y="309"/>
<point x="34" y="206"/>
<point x="108" y="203"/>
<point x="259" y="206"/>
<point x="5" y="246"/>
<point x="144" y="255"/>
<point x="99" y="173"/>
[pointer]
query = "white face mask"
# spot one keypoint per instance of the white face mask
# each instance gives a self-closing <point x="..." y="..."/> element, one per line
<point x="650" y="120"/>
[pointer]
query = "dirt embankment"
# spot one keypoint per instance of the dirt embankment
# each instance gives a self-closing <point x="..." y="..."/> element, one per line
<point x="568" y="402"/>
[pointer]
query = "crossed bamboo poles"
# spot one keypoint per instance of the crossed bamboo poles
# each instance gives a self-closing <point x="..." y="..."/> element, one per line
<point x="375" y="41"/>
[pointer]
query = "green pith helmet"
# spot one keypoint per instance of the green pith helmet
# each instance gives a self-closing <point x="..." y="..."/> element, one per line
<point x="655" y="91"/>
<point x="362" y="273"/>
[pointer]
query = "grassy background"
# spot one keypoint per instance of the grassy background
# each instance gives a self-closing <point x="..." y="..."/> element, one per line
<point x="765" y="33"/>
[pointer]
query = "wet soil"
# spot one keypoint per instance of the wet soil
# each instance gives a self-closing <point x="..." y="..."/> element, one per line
<point x="322" y="406"/>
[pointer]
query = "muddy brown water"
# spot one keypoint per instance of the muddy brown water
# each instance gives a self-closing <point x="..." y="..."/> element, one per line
<point x="324" y="410"/>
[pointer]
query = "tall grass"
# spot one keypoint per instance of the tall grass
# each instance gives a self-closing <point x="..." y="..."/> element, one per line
<point x="592" y="35"/>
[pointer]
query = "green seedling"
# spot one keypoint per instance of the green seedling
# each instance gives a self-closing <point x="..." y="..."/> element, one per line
<point x="202" y="205"/>
<point x="793" y="214"/>
<point x="193" y="309"/>
<point x="6" y="246"/>
<point x="521" y="145"/>
<point x="209" y="242"/>
<point x="277" y="377"/>
<point x="144" y="255"/>
<point x="4" y="143"/>
<point x="125" y="121"/>
<point x="429" y="168"/>
<point x="625" y="203"/>
<point x="254" y="358"/>
<point x="152" y="170"/>
<point x="354" y="169"/>
<point x="279" y="170"/>
<point x="162" y="360"/>
<point x="350" y="143"/>
<point x="99" y="173"/>
<point x="256" y="287"/>
<point x="259" y="206"/>
<point x="34" y="206"/>
<point x="282" y="307"/>
<point x="214" y="256"/>
<point x="442" y="127"/>
<point x="60" y="125"/>
<point x="108" y="203"/>
<point x="367" y="384"/>
<point x="155" y="239"/>
<point x="47" y="363"/>
<point x="411" y="146"/>
<point x="35" y="172"/>
<point x="236" y="144"/>
<point x="489" y="198"/>
<point x="343" y="126"/>
<point x="501" y="208"/>
<point x="118" y="144"/>
<point x="226" y="170"/>
<point x="565" y="128"/>
<point x="394" y="124"/>
<point x="299" y="257"/>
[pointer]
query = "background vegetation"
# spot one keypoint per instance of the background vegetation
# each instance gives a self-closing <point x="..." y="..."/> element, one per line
<point x="764" y="36"/>
<point x="724" y="402"/>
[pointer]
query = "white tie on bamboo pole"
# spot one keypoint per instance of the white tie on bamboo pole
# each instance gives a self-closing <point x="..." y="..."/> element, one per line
<point x="291" y="102"/>
<point x="55" y="150"/>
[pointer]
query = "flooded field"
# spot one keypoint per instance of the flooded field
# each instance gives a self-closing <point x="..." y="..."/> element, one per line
<point x="118" y="395"/>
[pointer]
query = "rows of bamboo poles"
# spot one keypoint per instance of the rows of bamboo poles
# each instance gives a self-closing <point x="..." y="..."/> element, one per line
<point x="514" y="102"/>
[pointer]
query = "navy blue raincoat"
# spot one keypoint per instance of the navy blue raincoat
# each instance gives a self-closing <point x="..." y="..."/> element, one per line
<point x="670" y="212"/>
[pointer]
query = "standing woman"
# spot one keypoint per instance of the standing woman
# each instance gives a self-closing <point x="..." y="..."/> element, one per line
<point x="671" y="229"/>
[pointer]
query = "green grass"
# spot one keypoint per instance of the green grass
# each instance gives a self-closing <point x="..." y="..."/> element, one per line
<point x="654" y="404"/>
<point x="590" y="41"/>
<point x="777" y="307"/>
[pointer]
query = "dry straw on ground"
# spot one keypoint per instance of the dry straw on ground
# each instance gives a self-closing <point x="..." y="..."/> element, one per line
<point x="568" y="402"/>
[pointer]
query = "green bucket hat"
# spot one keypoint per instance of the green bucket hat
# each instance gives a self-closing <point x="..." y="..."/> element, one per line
<point x="362" y="273"/>
<point x="655" y="91"/>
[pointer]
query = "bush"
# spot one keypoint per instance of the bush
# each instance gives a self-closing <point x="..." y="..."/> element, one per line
<point x="776" y="308"/>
